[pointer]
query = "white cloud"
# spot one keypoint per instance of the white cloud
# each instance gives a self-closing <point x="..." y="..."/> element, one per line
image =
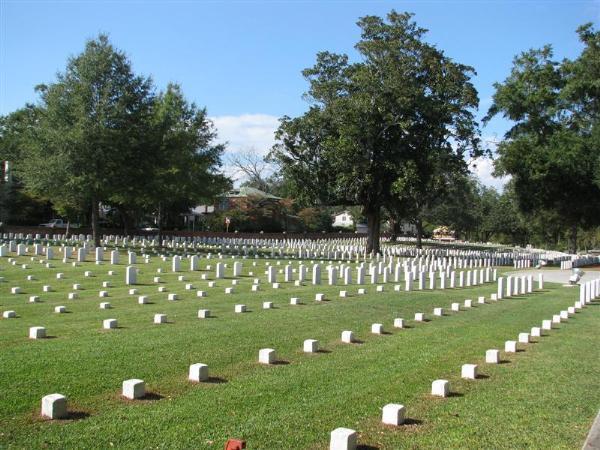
<point x="247" y="132"/>
<point x="483" y="168"/>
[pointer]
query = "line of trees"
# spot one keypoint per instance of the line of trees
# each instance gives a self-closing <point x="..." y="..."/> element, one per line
<point x="552" y="151"/>
<point x="102" y="135"/>
<point x="389" y="132"/>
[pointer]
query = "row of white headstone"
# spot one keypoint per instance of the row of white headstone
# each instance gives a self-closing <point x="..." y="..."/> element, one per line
<point x="296" y="248"/>
<point x="394" y="414"/>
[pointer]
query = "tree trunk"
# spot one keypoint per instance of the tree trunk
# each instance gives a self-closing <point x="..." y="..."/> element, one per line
<point x="395" y="229"/>
<point x="95" y="226"/>
<point x="126" y="223"/>
<point x="159" y="225"/>
<point x="419" y="226"/>
<point x="373" y="229"/>
<point x="573" y="245"/>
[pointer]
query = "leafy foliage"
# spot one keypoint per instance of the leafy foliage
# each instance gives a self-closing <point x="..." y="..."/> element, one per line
<point x="101" y="135"/>
<point x="403" y="105"/>
<point x="551" y="151"/>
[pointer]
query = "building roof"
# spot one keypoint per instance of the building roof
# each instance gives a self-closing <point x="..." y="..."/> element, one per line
<point x="202" y="209"/>
<point x="342" y="212"/>
<point x="247" y="191"/>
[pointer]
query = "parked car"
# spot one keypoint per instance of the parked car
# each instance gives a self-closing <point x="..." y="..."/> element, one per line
<point x="147" y="227"/>
<point x="59" y="223"/>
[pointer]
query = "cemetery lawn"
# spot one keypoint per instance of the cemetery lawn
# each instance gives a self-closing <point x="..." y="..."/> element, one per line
<point x="544" y="397"/>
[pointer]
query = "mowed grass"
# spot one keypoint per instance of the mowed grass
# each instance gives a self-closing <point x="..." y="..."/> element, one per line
<point x="546" y="396"/>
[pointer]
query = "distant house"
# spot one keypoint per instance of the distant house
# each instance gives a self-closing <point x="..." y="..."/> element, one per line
<point x="196" y="215"/>
<point x="343" y="219"/>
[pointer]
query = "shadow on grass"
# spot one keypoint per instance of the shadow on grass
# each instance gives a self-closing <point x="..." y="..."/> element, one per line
<point x="536" y="292"/>
<point x="280" y="362"/>
<point x="366" y="447"/>
<point x="322" y="350"/>
<point x="76" y="415"/>
<point x="216" y="380"/>
<point x="455" y="395"/>
<point x="481" y="376"/>
<point x="151" y="397"/>
<point x="504" y="361"/>
<point x="410" y="422"/>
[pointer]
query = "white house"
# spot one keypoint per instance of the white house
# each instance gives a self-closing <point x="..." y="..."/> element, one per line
<point x="343" y="219"/>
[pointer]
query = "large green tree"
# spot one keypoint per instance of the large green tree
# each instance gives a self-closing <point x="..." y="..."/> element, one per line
<point x="401" y="101"/>
<point x="90" y="133"/>
<point x="185" y="157"/>
<point x="551" y="151"/>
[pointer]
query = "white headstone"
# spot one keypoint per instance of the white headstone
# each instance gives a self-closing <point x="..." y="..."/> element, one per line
<point x="54" y="406"/>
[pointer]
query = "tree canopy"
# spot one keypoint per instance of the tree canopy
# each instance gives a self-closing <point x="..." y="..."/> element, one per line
<point x="551" y="151"/>
<point x="404" y="103"/>
<point x="100" y="135"/>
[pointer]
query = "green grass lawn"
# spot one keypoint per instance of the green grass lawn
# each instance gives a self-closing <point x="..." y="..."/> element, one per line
<point x="544" y="397"/>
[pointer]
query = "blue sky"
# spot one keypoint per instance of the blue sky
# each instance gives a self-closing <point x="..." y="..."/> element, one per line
<point x="242" y="59"/>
